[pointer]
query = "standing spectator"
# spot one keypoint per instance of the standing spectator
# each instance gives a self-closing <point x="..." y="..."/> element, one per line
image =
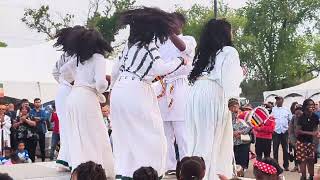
<point x="39" y="116"/>
<point x="27" y="131"/>
<point x="241" y="148"/>
<point x="263" y="135"/>
<point x="105" y="113"/>
<point x="55" y="132"/>
<point x="307" y="136"/>
<point x="23" y="103"/>
<point x="297" y="113"/>
<point x="13" y="115"/>
<point x="5" y="125"/>
<point x="282" y="117"/>
<point x="317" y="109"/>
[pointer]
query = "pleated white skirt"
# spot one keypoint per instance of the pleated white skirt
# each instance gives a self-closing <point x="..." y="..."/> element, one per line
<point x="138" y="134"/>
<point x="64" y="127"/>
<point x="88" y="139"/>
<point x="209" y="128"/>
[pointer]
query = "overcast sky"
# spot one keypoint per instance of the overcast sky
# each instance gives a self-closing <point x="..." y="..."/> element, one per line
<point x="16" y="34"/>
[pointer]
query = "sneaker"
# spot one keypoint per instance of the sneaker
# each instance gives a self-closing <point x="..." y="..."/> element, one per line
<point x="171" y="172"/>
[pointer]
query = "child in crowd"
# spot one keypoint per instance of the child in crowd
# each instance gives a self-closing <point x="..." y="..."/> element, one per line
<point x="191" y="168"/>
<point x="145" y="173"/>
<point x="23" y="153"/>
<point x="14" y="159"/>
<point x="268" y="169"/>
<point x="265" y="169"/>
<point x="6" y="155"/>
<point x="89" y="170"/>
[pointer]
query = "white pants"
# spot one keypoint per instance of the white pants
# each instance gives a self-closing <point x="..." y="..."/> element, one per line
<point x="175" y="130"/>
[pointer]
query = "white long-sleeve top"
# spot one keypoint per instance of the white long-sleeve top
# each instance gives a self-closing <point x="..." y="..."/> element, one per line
<point x="66" y="77"/>
<point x="227" y="72"/>
<point x="92" y="73"/>
<point x="145" y="63"/>
<point x="6" y="130"/>
<point x="169" y="51"/>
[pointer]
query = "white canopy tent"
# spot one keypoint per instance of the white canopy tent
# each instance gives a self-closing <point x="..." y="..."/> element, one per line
<point x="309" y="89"/>
<point x="26" y="72"/>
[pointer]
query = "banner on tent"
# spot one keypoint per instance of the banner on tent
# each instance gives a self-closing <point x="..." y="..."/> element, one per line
<point x="1" y="90"/>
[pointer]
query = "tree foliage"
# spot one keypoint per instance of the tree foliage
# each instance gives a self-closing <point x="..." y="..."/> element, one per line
<point x="41" y="21"/>
<point x="107" y="21"/>
<point x="271" y="44"/>
<point x="2" y="44"/>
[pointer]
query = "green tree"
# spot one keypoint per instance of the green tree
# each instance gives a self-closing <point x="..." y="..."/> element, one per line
<point x="271" y="44"/>
<point x="2" y="44"/>
<point x="41" y="21"/>
<point x="105" y="21"/>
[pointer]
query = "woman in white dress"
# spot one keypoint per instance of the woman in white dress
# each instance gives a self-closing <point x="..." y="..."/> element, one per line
<point x="5" y="125"/>
<point x="65" y="81"/>
<point x="215" y="78"/>
<point x="138" y="134"/>
<point x="88" y="140"/>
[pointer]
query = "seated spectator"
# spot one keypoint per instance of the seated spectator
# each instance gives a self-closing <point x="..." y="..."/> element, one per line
<point x="5" y="176"/>
<point x="267" y="168"/>
<point x="6" y="155"/>
<point x="14" y="159"/>
<point x="190" y="168"/>
<point x="179" y="164"/>
<point x="89" y="170"/>
<point x="145" y="173"/>
<point x="23" y="153"/>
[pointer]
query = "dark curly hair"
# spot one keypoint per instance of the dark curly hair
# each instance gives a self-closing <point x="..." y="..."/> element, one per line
<point x="216" y="34"/>
<point x="89" y="170"/>
<point x="147" y="24"/>
<point x="145" y="173"/>
<point x="64" y="34"/>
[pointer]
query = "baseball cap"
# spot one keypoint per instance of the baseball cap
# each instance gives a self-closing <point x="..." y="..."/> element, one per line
<point x="278" y="97"/>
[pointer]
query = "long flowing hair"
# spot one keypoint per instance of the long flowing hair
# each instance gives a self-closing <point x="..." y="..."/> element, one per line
<point x="147" y="24"/>
<point x="216" y="34"/>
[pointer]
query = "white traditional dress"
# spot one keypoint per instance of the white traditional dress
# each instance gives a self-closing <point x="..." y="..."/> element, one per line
<point x="64" y="89"/>
<point x="209" y="121"/>
<point x="88" y="140"/>
<point x="138" y="134"/>
<point x="5" y="129"/>
<point x="172" y="95"/>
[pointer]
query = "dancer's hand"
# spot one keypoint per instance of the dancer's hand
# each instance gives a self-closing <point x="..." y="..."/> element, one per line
<point x="108" y="78"/>
<point x="222" y="177"/>
<point x="186" y="59"/>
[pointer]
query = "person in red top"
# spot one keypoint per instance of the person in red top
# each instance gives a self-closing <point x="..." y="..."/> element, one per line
<point x="55" y="132"/>
<point x="263" y="135"/>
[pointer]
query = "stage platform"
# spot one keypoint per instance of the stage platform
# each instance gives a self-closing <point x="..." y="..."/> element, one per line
<point x="40" y="171"/>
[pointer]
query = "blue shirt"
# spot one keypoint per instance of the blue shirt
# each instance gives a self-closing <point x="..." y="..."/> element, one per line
<point x="41" y="127"/>
<point x="24" y="155"/>
<point x="282" y="117"/>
